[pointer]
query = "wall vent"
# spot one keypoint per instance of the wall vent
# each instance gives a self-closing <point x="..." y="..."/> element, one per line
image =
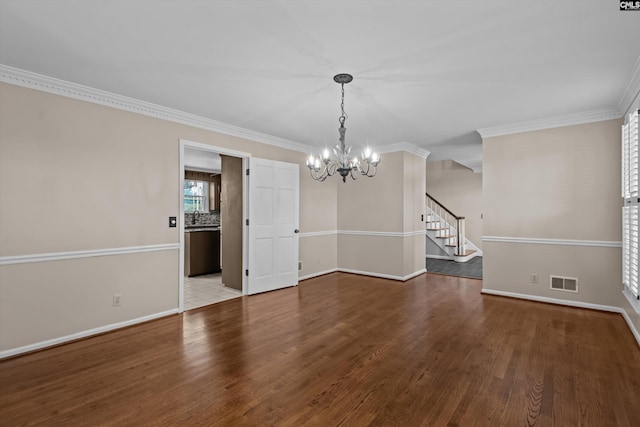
<point x="569" y="284"/>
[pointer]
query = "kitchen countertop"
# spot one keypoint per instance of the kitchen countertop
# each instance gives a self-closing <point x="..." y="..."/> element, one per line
<point x="202" y="228"/>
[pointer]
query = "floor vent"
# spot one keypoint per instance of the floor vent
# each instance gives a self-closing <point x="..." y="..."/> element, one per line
<point x="569" y="284"/>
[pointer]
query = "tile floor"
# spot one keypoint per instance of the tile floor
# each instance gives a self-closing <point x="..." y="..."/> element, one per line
<point x="206" y="289"/>
<point x="471" y="268"/>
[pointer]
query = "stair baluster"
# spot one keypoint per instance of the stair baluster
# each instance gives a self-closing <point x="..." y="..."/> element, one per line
<point x="448" y="226"/>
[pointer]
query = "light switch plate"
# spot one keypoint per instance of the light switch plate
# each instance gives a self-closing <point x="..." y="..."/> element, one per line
<point x="173" y="222"/>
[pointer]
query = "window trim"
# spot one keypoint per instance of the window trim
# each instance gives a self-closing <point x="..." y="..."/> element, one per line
<point x="631" y="209"/>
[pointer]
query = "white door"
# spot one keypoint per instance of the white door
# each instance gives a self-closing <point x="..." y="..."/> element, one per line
<point x="273" y="225"/>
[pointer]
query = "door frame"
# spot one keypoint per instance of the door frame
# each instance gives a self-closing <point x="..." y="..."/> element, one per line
<point x="245" y="211"/>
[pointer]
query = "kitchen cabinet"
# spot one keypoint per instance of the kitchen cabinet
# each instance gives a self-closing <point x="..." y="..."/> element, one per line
<point x="201" y="252"/>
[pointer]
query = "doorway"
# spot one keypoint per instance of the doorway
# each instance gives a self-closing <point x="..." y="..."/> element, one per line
<point x="203" y="231"/>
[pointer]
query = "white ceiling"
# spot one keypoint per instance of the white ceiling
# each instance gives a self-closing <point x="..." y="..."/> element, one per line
<point x="428" y="73"/>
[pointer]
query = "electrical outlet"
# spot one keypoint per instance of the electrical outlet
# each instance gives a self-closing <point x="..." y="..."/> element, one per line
<point x="534" y="278"/>
<point x="117" y="300"/>
<point x="299" y="265"/>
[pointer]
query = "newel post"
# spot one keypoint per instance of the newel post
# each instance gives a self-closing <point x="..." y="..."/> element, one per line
<point x="460" y="246"/>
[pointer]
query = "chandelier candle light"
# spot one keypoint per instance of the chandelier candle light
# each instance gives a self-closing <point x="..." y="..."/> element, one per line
<point x="324" y="165"/>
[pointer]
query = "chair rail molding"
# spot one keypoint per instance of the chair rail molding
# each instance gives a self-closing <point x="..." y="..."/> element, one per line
<point x="545" y="241"/>
<point x="58" y="256"/>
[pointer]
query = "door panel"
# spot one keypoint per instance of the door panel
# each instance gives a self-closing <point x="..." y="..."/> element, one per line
<point x="273" y="221"/>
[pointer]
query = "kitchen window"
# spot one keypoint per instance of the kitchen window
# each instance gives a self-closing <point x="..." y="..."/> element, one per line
<point x="196" y="196"/>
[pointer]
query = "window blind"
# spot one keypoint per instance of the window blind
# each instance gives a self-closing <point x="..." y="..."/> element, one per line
<point x="631" y="208"/>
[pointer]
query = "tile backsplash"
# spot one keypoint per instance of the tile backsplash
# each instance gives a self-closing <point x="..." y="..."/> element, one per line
<point x="201" y="218"/>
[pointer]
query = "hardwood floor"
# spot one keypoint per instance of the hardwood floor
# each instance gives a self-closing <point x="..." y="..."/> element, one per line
<point x="341" y="350"/>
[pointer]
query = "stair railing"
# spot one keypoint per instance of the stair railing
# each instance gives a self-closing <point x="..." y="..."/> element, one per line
<point x="450" y="226"/>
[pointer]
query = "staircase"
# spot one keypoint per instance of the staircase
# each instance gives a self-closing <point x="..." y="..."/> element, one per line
<point x="446" y="230"/>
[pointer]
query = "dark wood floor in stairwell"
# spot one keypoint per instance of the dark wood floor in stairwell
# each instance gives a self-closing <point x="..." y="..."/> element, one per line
<point x="471" y="269"/>
<point x="341" y="350"/>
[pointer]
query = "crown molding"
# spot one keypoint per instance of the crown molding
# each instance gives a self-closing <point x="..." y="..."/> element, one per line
<point x="631" y="92"/>
<point x="627" y="101"/>
<point x="551" y="122"/>
<point x="18" y="77"/>
<point x="405" y="146"/>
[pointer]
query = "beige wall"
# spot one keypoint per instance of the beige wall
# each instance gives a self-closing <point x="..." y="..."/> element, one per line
<point x="77" y="176"/>
<point x="413" y="210"/>
<point x="42" y="301"/>
<point x="318" y="254"/>
<point x="460" y="190"/>
<point x="377" y="216"/>
<point x="561" y="184"/>
<point x="373" y="204"/>
<point x="507" y="267"/>
<point x="125" y="165"/>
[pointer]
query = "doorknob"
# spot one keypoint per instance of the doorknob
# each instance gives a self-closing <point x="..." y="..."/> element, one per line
<point x="296" y="231"/>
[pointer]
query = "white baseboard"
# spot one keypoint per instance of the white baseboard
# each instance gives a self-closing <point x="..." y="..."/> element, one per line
<point x="319" y="273"/>
<point x="414" y="274"/>
<point x="634" y="331"/>
<point x="448" y="258"/>
<point x="366" y="273"/>
<point x="569" y="303"/>
<point x="384" y="276"/>
<point x="83" y="334"/>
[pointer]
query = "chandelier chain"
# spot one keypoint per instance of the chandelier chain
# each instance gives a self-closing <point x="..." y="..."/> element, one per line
<point x="344" y="115"/>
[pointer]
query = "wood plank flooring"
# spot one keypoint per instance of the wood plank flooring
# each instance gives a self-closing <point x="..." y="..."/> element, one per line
<point x="341" y="350"/>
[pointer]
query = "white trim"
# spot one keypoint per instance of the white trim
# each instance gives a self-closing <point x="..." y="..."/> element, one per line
<point x="541" y="241"/>
<point x="551" y="122"/>
<point x="449" y="258"/>
<point x="557" y="301"/>
<point x="28" y="79"/>
<point x="633" y="302"/>
<point x="319" y="273"/>
<point x="83" y="334"/>
<point x="634" y="331"/>
<point x="67" y="89"/>
<point x="578" y="304"/>
<point x="384" y="276"/>
<point x="212" y="148"/>
<point x="183" y="143"/>
<point x="631" y="92"/>
<point x="381" y="233"/>
<point x="365" y="273"/>
<point x="58" y="256"/>
<point x="405" y="146"/>
<point x="363" y="233"/>
<point x="319" y="233"/>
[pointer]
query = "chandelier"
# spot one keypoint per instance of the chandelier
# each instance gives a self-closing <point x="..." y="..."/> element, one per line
<point x="324" y="165"/>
